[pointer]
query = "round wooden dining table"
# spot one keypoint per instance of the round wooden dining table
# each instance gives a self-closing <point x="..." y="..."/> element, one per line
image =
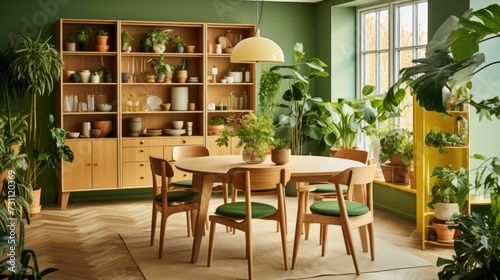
<point x="209" y="169"/>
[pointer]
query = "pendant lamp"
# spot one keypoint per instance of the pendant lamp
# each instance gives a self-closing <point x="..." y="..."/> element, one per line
<point x="257" y="49"/>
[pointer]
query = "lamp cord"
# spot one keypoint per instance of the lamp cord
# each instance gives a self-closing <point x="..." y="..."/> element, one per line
<point x="259" y="13"/>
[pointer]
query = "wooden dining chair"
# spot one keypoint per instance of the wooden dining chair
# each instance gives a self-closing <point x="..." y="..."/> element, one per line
<point x="326" y="190"/>
<point x="239" y="215"/>
<point x="343" y="212"/>
<point x="168" y="202"/>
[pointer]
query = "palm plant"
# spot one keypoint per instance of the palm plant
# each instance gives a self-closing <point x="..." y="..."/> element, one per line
<point x="36" y="67"/>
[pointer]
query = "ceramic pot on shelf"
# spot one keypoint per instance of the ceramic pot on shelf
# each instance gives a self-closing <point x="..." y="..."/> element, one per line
<point x="159" y="48"/>
<point x="181" y="76"/>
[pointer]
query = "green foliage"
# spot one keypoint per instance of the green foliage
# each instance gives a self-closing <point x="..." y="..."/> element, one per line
<point x="252" y="132"/>
<point x="298" y="102"/>
<point x="145" y="42"/>
<point x="157" y="36"/>
<point x="36" y="67"/>
<point x="82" y="35"/>
<point x="176" y="41"/>
<point x="102" y="32"/>
<point x="183" y="66"/>
<point x="269" y="88"/>
<point x="159" y="66"/>
<point x="342" y="121"/>
<point x="452" y="57"/>
<point x="397" y="141"/>
<point x="126" y="39"/>
<point x="217" y="121"/>
<point x="438" y="139"/>
<point x="477" y="249"/>
<point x="451" y="186"/>
<point x="26" y="267"/>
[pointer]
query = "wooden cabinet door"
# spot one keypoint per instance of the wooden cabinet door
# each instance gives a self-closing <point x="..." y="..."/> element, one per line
<point x="78" y="174"/>
<point x="105" y="164"/>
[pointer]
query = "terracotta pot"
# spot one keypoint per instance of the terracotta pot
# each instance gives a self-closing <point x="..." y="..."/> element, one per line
<point x="396" y="174"/>
<point x="101" y="40"/>
<point x="181" y="76"/>
<point x="280" y="156"/>
<point x="444" y="234"/>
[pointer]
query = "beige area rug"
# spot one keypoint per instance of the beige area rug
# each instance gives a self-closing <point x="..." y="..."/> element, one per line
<point x="229" y="255"/>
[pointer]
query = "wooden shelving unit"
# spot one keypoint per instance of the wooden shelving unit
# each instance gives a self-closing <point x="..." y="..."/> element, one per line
<point x="128" y="155"/>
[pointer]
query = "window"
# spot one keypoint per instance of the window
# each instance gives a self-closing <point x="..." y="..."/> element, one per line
<point x="390" y="37"/>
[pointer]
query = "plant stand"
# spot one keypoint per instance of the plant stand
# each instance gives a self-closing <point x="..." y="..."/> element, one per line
<point x="396" y="174"/>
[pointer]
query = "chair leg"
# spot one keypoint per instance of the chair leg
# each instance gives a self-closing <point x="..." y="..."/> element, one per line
<point x="325" y="238"/>
<point x="189" y="223"/>
<point x="283" y="241"/>
<point x="351" y="248"/>
<point x="299" y="225"/>
<point x="162" y="235"/>
<point x="153" y="226"/>
<point x="372" y="241"/>
<point x="248" y="239"/>
<point x="211" y="244"/>
<point x="347" y="248"/>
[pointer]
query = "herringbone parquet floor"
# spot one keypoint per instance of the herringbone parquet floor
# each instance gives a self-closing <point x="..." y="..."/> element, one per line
<point x="83" y="241"/>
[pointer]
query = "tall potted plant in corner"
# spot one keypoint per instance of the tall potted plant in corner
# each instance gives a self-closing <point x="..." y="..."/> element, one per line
<point x="36" y="66"/>
<point x="298" y="101"/>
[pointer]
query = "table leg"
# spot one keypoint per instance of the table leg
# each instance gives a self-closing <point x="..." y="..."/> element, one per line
<point x="203" y="184"/>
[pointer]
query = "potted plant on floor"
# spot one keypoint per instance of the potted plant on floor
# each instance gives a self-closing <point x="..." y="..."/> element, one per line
<point x="397" y="148"/>
<point x="82" y="36"/>
<point x="449" y="194"/>
<point x="158" y="39"/>
<point x="255" y="136"/>
<point x="41" y="62"/>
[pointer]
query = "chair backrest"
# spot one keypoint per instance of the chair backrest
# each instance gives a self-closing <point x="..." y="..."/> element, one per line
<point x="359" y="176"/>
<point x="179" y="152"/>
<point x="258" y="179"/>
<point x="353" y="154"/>
<point x="160" y="168"/>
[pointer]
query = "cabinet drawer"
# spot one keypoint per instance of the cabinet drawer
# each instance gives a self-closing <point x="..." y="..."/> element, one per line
<point x="144" y="142"/>
<point x="136" y="174"/>
<point x="141" y="153"/>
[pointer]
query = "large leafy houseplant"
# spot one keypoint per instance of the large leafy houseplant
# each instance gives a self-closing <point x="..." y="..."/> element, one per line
<point x="36" y="67"/>
<point x="451" y="186"/>
<point x="298" y="100"/>
<point x="451" y="60"/>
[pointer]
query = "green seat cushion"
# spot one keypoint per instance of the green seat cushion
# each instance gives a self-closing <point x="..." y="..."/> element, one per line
<point x="328" y="188"/>
<point x="237" y="210"/>
<point x="179" y="196"/>
<point x="331" y="208"/>
<point x="183" y="183"/>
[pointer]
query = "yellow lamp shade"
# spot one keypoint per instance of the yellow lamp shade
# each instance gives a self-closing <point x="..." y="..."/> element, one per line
<point x="257" y="49"/>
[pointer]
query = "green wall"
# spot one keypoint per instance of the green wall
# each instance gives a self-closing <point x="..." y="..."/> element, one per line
<point x="284" y="23"/>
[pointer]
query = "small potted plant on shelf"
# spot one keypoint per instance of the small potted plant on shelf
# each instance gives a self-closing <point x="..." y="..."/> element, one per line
<point x="126" y="41"/>
<point x="255" y="135"/>
<point x="397" y="148"/>
<point x="178" y="43"/>
<point x="181" y="71"/>
<point x="145" y="44"/>
<point x="158" y="39"/>
<point x="82" y="36"/>
<point x="161" y="68"/>
<point x="102" y="37"/>
<point x="216" y="125"/>
<point x="439" y="139"/>
<point x="449" y="194"/>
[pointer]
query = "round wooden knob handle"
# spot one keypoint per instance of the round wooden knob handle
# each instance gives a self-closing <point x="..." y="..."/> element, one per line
<point x="141" y="142"/>
<point x="183" y="141"/>
<point x="142" y="178"/>
<point x="142" y="151"/>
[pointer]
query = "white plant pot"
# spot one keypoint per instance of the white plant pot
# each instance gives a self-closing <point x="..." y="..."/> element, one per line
<point x="159" y="48"/>
<point x="444" y="211"/>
